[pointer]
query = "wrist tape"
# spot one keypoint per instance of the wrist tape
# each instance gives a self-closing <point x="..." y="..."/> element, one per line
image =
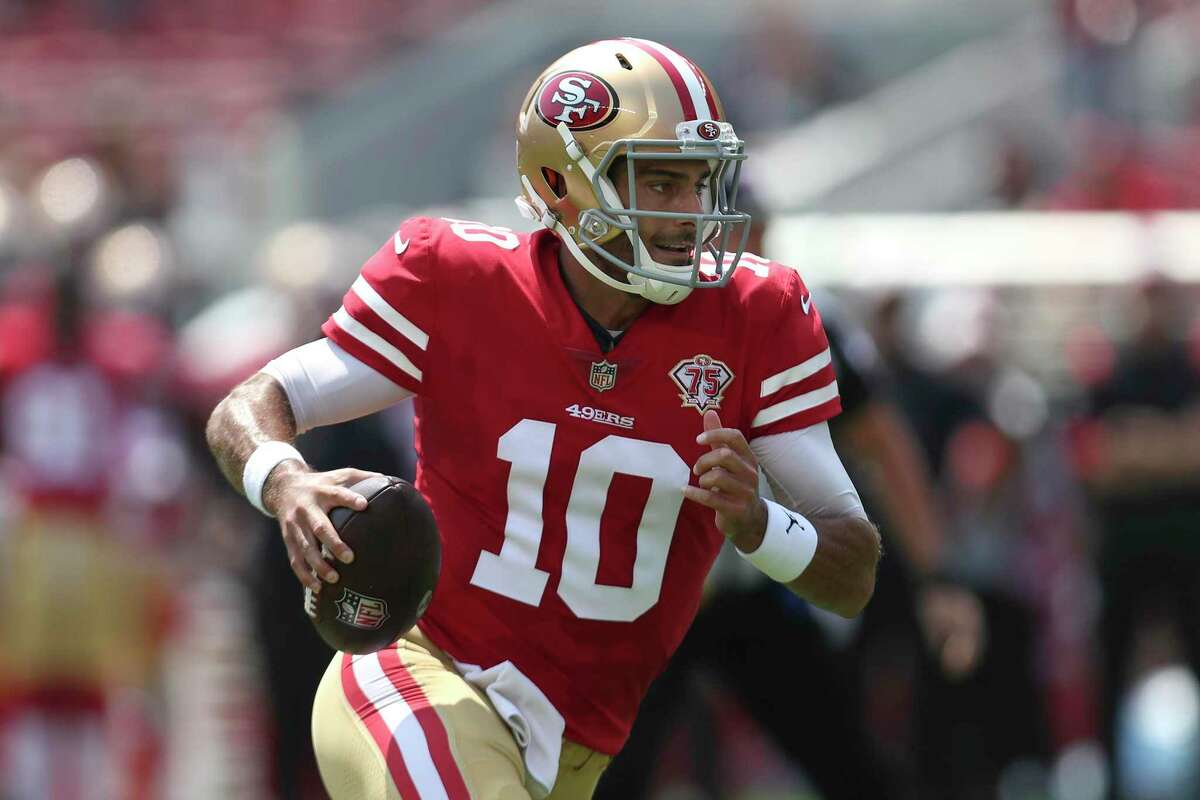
<point x="788" y="544"/>
<point x="265" y="458"/>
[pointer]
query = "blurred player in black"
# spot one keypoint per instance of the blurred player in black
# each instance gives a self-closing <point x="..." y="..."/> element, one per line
<point x="1143" y="468"/>
<point x="803" y="692"/>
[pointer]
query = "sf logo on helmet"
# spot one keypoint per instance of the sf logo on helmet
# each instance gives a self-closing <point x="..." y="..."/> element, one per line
<point x="580" y="99"/>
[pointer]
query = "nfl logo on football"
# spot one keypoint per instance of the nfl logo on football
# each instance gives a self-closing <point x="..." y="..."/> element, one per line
<point x="603" y="376"/>
<point x="360" y="611"/>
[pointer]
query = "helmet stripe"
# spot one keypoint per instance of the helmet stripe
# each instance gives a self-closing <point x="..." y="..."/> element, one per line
<point x="710" y="93"/>
<point x="692" y="91"/>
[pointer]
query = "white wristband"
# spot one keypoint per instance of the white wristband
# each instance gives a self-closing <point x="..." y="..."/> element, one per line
<point x="266" y="457"/>
<point x="788" y="544"/>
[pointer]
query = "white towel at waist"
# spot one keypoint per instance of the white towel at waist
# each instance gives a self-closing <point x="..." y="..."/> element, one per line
<point x="534" y="721"/>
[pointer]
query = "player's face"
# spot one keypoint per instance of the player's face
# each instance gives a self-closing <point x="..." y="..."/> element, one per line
<point x="664" y="185"/>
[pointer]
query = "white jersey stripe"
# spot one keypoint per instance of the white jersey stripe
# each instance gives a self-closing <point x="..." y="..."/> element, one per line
<point x="375" y="342"/>
<point x="391" y="316"/>
<point x="797" y="404"/>
<point x="404" y="725"/>
<point x="691" y="80"/>
<point x="797" y="373"/>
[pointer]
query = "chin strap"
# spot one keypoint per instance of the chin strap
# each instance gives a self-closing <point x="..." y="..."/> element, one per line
<point x="533" y="207"/>
<point x="662" y="292"/>
<point x="599" y="274"/>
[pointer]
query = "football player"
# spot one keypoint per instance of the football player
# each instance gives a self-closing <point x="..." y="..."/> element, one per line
<point x="593" y="403"/>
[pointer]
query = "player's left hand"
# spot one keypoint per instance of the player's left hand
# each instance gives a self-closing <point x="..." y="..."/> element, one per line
<point x="728" y="478"/>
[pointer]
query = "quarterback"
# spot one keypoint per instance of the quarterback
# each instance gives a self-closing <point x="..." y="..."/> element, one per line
<point x="594" y="404"/>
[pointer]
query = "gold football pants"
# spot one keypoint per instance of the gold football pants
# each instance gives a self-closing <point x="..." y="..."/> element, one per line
<point x="402" y="723"/>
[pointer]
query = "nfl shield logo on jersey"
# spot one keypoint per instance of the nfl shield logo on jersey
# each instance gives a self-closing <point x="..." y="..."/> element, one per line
<point x="361" y="611"/>
<point x="702" y="381"/>
<point x="603" y="376"/>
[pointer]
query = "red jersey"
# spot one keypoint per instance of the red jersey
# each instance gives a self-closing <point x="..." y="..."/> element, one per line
<point x="555" y="469"/>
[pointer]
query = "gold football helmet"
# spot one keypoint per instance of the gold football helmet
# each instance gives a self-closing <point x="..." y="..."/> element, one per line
<point x="633" y="99"/>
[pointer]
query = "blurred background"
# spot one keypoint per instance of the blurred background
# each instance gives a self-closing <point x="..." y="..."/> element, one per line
<point x="999" y="201"/>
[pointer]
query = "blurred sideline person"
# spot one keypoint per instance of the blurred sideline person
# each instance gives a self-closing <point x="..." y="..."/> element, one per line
<point x="630" y="396"/>
<point x="1141" y="463"/>
<point x="93" y="478"/>
<point x="752" y="636"/>
<point x="1012" y="524"/>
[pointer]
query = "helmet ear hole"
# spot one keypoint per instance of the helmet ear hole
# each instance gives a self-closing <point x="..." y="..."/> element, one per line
<point x="555" y="182"/>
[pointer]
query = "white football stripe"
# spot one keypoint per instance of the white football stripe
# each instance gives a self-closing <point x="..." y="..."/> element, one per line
<point x="377" y="343"/>
<point x="797" y="404"/>
<point x="693" y="83"/>
<point x="404" y="725"/>
<point x="391" y="316"/>
<point x="805" y="369"/>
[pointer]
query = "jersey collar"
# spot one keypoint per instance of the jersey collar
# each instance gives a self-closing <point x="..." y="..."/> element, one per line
<point x="566" y="316"/>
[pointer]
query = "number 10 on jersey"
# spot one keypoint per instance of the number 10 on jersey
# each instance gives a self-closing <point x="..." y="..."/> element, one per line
<point x="513" y="572"/>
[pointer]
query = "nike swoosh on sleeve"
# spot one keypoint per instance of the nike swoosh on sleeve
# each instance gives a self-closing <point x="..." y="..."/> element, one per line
<point x="402" y="245"/>
<point x="806" y="302"/>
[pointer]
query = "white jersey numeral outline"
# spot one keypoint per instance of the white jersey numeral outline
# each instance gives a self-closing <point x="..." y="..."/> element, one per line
<point x="513" y="571"/>
<point x="470" y="231"/>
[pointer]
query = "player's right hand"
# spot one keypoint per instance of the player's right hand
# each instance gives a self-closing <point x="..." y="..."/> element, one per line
<point x="301" y="501"/>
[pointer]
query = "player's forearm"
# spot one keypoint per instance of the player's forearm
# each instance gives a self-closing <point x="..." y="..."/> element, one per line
<point x="841" y="575"/>
<point x="256" y="411"/>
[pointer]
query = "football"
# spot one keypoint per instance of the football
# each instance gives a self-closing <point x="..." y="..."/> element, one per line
<point x="397" y="559"/>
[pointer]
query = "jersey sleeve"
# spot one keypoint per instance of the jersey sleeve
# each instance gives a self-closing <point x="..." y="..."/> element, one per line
<point x="389" y="313"/>
<point x="794" y="383"/>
